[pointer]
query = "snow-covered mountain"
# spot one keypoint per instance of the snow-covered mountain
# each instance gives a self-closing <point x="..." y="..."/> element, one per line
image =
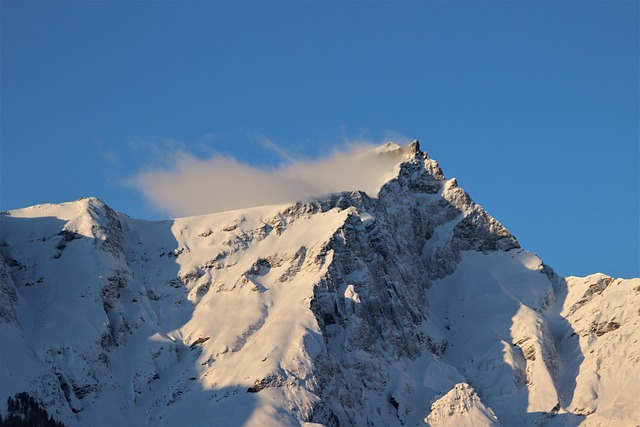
<point x="409" y="307"/>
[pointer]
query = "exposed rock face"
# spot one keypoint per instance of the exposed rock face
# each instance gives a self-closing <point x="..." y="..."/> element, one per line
<point x="8" y="293"/>
<point x="414" y="307"/>
<point x="387" y="255"/>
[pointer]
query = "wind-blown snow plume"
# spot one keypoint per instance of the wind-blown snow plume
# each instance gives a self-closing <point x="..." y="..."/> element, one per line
<point x="192" y="186"/>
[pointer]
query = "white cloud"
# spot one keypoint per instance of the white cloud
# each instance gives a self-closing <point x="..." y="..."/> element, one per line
<point x="192" y="186"/>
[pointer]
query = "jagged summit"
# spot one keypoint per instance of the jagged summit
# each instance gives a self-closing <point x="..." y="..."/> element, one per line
<point x="414" y="147"/>
<point x="411" y="306"/>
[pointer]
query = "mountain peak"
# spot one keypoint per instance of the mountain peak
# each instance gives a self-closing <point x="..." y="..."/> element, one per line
<point x="413" y="148"/>
<point x="413" y="304"/>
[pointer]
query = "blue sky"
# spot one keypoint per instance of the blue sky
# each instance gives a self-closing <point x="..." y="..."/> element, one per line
<point x="533" y="106"/>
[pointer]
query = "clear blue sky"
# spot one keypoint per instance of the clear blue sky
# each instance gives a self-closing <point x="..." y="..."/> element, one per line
<point x="533" y="106"/>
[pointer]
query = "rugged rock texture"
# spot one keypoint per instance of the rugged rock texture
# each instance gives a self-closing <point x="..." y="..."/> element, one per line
<point x="461" y="406"/>
<point x="414" y="307"/>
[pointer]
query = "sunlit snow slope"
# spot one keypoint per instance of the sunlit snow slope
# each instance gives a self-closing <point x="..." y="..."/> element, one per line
<point x="414" y="307"/>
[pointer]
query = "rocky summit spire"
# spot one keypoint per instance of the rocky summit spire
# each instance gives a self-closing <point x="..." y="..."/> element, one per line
<point x="413" y="147"/>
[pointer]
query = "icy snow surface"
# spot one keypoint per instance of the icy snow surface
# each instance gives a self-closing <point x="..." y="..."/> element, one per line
<point x="414" y="307"/>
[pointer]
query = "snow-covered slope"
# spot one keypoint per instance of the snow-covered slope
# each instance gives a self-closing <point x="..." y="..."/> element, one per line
<point x="413" y="307"/>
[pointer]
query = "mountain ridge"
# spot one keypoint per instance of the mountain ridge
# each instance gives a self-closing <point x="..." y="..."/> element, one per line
<point x="414" y="307"/>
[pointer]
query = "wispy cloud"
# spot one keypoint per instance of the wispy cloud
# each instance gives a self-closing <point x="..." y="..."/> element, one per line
<point x="108" y="156"/>
<point x="282" y="152"/>
<point x="160" y="150"/>
<point x="187" y="185"/>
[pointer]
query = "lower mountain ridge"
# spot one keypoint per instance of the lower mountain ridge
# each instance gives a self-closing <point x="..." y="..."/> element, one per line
<point x="414" y="307"/>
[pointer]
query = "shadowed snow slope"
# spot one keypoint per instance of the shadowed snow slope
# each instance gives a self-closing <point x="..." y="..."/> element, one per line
<point x="414" y="307"/>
